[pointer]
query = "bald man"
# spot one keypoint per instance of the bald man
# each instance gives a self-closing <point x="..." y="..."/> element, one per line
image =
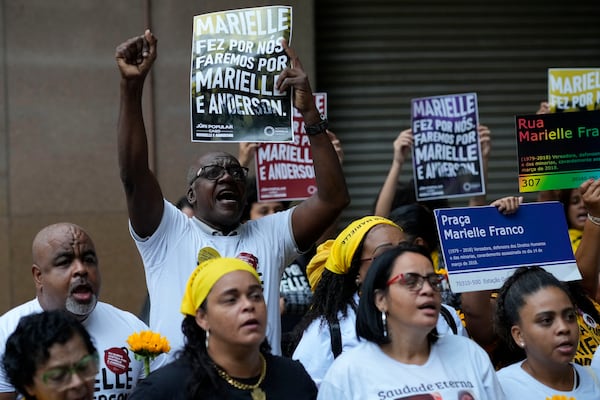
<point x="66" y="276"/>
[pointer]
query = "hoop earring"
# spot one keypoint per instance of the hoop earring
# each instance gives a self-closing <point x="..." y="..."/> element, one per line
<point x="384" y="323"/>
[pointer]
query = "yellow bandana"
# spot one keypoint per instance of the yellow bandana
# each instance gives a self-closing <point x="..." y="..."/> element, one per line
<point x="336" y="255"/>
<point x="204" y="277"/>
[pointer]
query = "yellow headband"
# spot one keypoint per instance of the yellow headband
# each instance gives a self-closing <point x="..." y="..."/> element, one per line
<point x="336" y="255"/>
<point x="204" y="277"/>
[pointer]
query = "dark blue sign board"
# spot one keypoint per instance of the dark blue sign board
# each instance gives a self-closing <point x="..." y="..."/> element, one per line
<point x="482" y="247"/>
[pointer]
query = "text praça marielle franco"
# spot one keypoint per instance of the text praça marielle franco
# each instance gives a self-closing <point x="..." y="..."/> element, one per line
<point x="458" y="227"/>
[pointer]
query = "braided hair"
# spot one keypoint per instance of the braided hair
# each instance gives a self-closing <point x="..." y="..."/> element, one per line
<point x="333" y="294"/>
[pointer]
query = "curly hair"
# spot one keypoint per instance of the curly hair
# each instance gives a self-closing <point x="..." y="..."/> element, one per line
<point x="28" y="347"/>
<point x="333" y="294"/>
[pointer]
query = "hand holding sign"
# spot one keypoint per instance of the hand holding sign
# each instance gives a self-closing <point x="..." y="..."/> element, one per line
<point x="485" y="142"/>
<point x="587" y="251"/>
<point x="246" y="152"/>
<point x="296" y="78"/>
<point x="508" y="205"/>
<point x="482" y="246"/>
<point x="590" y="193"/>
<point x="403" y="145"/>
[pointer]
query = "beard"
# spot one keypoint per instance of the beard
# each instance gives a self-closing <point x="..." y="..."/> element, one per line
<point x="81" y="309"/>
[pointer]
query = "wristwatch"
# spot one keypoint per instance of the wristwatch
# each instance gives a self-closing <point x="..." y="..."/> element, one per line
<point x="317" y="128"/>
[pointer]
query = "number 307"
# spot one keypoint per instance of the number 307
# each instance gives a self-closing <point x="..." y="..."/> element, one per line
<point x="530" y="182"/>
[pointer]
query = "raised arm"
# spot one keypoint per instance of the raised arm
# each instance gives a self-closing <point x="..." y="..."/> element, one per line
<point x="315" y="214"/>
<point x="144" y="197"/>
<point x="544" y="108"/>
<point x="246" y="153"/>
<point x="478" y="307"/>
<point x="485" y="141"/>
<point x="587" y="254"/>
<point x="402" y="146"/>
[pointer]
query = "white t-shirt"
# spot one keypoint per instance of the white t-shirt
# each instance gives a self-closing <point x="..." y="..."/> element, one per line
<point x="314" y="349"/>
<point x="109" y="328"/>
<point x="518" y="384"/>
<point x="596" y="362"/>
<point x="171" y="254"/>
<point x="456" y="364"/>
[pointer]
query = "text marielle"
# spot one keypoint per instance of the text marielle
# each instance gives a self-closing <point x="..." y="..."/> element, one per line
<point x="245" y="22"/>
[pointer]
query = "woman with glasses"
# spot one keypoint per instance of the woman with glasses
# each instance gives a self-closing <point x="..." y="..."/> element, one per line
<point x="335" y="274"/>
<point x="50" y="356"/>
<point x="402" y="354"/>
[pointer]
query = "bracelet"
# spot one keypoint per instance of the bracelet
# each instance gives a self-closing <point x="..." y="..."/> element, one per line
<point x="317" y="128"/>
<point x="594" y="220"/>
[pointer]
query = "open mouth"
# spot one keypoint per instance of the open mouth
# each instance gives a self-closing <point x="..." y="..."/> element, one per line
<point x="429" y="308"/>
<point x="82" y="293"/>
<point x="228" y="196"/>
<point x="566" y="348"/>
<point x="251" y="323"/>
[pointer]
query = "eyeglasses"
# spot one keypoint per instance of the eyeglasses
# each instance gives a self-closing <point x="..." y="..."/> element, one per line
<point x="213" y="172"/>
<point x="60" y="377"/>
<point x="414" y="282"/>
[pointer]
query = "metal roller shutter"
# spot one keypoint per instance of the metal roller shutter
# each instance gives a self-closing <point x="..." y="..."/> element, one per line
<point x="374" y="56"/>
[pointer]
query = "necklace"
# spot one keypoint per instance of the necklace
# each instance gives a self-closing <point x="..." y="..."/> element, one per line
<point x="257" y="393"/>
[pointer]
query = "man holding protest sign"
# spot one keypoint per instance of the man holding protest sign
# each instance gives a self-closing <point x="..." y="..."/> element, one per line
<point x="170" y="243"/>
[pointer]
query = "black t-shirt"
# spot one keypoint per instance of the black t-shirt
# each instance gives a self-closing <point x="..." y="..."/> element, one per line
<point x="285" y="379"/>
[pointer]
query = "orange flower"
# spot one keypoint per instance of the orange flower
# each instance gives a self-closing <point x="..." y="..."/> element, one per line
<point x="147" y="345"/>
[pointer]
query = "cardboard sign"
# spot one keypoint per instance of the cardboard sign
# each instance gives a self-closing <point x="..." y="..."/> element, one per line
<point x="557" y="151"/>
<point x="575" y="89"/>
<point x="237" y="56"/>
<point x="482" y="247"/>
<point x="284" y="171"/>
<point x="446" y="152"/>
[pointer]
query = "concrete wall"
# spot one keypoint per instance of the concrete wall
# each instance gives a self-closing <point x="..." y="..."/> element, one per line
<point x="59" y="90"/>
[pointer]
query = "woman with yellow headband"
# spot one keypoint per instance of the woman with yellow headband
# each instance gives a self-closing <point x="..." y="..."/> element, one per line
<point x="226" y="355"/>
<point x="335" y="274"/>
